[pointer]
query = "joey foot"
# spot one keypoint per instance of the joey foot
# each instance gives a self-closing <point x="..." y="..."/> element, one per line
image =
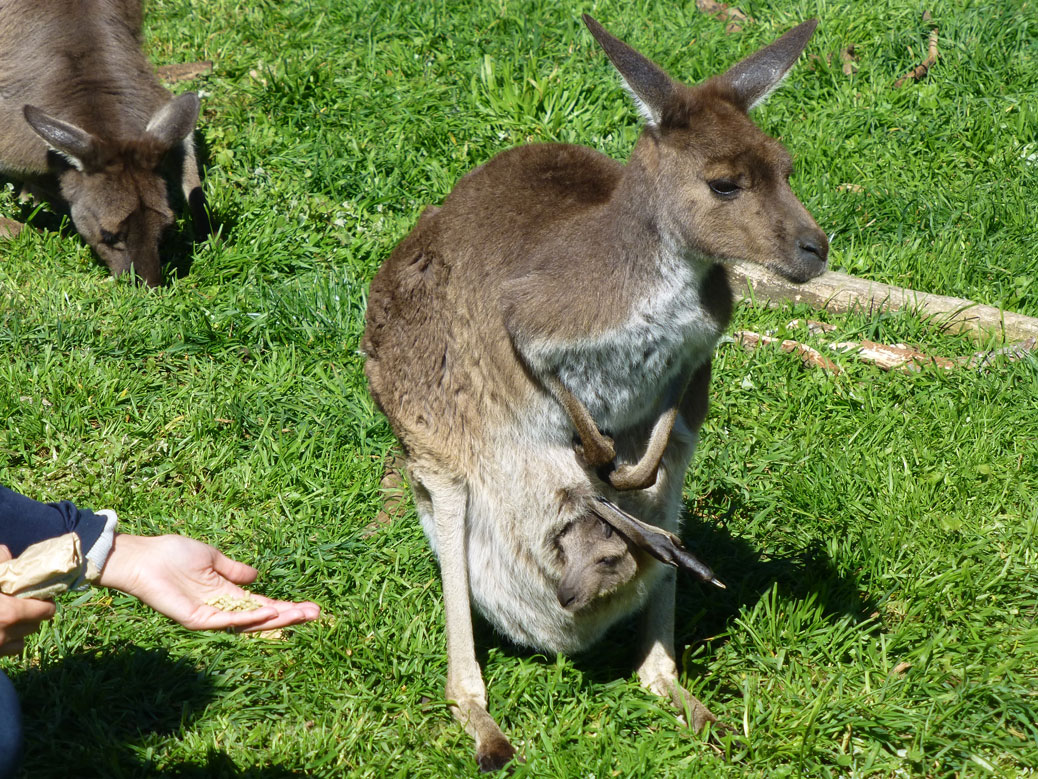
<point x="629" y="477"/>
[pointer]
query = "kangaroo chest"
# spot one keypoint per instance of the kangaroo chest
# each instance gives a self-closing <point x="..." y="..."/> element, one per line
<point x="623" y="375"/>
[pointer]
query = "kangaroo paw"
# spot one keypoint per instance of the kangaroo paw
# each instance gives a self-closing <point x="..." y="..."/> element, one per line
<point x="493" y="750"/>
<point x="630" y="477"/>
<point x="596" y="451"/>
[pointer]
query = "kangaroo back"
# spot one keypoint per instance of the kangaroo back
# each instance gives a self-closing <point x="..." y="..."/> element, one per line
<point x="82" y="112"/>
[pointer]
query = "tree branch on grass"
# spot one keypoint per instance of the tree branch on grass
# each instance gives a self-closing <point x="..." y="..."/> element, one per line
<point x="839" y="292"/>
<point x="885" y="356"/>
<point x="183" y="71"/>
<point x="920" y="70"/>
<point x="725" y="13"/>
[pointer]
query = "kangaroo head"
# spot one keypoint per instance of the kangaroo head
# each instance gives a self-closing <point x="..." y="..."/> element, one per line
<point x="116" y="193"/>
<point x="597" y="561"/>
<point x="718" y="186"/>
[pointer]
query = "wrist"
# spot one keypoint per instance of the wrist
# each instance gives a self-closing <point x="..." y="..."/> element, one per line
<point x="119" y="571"/>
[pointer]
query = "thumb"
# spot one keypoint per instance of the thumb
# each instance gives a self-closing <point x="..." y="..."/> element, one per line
<point x="232" y="570"/>
<point x="5" y="553"/>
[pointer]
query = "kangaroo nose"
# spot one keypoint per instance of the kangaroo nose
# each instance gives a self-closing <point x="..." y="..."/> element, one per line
<point x="566" y="595"/>
<point x="812" y="252"/>
<point x="813" y="246"/>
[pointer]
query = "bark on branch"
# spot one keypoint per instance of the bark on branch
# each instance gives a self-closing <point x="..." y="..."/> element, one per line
<point x="839" y="292"/>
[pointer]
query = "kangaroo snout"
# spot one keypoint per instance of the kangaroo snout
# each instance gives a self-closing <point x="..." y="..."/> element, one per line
<point x="812" y="253"/>
<point x="567" y="595"/>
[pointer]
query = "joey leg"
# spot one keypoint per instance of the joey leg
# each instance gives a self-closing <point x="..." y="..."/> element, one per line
<point x="465" y="687"/>
<point x="642" y="474"/>
<point x="658" y="671"/>
<point x="598" y="449"/>
<point x="681" y="395"/>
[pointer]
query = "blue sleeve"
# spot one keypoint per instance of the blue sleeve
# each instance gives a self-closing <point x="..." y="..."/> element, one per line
<point x="24" y="521"/>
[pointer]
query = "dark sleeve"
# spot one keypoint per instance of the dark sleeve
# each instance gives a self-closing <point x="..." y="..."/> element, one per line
<point x="24" y="521"/>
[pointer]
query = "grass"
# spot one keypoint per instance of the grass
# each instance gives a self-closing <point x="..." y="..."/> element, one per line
<point x="876" y="530"/>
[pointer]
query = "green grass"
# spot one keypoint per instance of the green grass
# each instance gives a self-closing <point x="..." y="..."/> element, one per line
<point x="876" y="530"/>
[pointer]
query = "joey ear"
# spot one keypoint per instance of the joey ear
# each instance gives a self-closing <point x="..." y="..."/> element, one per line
<point x="71" y="142"/>
<point x="758" y="75"/>
<point x="174" y="121"/>
<point x="664" y="546"/>
<point x="650" y="86"/>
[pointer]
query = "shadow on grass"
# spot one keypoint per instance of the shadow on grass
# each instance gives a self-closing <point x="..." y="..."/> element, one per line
<point x="703" y="611"/>
<point x="89" y="714"/>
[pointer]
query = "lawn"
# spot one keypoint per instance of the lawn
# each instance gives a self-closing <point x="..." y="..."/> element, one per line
<point x="877" y="531"/>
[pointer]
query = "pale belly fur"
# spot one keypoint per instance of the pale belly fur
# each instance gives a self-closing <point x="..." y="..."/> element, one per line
<point x="513" y="515"/>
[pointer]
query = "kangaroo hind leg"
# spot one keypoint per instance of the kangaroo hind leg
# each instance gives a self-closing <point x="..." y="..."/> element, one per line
<point x="465" y="687"/>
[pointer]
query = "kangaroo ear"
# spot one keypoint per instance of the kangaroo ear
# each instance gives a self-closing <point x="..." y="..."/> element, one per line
<point x="665" y="547"/>
<point x="174" y="121"/>
<point x="73" y="143"/>
<point x="758" y="75"/>
<point x="648" y="84"/>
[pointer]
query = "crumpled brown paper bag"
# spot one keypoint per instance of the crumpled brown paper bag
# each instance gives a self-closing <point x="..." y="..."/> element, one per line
<point x="45" y="569"/>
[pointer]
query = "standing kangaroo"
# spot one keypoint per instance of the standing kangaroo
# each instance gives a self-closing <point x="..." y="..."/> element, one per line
<point x="555" y="295"/>
<point x="83" y="116"/>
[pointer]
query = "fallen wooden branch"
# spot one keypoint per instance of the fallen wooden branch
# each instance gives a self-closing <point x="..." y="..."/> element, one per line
<point x="849" y="60"/>
<point x="889" y="357"/>
<point x="183" y="71"/>
<point x="839" y="292"/>
<point x="724" y="13"/>
<point x="892" y="356"/>
<point x="923" y="67"/>
<point x="810" y="356"/>
<point x="394" y="496"/>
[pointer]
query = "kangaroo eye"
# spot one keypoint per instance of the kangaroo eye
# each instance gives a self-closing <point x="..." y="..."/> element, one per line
<point x="725" y="188"/>
<point x="609" y="561"/>
<point x="109" y="239"/>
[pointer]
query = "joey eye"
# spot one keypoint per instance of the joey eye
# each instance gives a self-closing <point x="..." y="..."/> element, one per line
<point x="608" y="562"/>
<point x="724" y="188"/>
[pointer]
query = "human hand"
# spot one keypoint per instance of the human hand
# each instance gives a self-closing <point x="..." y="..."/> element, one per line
<point x="19" y="616"/>
<point x="176" y="575"/>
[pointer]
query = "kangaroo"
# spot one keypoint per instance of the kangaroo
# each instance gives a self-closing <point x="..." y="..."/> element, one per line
<point x="84" y="119"/>
<point x="541" y="345"/>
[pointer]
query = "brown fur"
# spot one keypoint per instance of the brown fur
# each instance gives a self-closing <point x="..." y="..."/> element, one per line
<point x="557" y="292"/>
<point x="109" y="124"/>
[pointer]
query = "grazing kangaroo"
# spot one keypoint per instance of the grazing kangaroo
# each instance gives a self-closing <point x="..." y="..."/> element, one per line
<point x="83" y="117"/>
<point x="557" y="295"/>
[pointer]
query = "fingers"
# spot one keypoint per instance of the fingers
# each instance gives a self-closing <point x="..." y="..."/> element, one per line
<point x="283" y="619"/>
<point x="20" y="617"/>
<point x="232" y="570"/>
<point x="35" y="610"/>
<point x="277" y="614"/>
<point x="5" y="553"/>
<point x="286" y="614"/>
<point x="272" y="614"/>
<point x="23" y="614"/>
